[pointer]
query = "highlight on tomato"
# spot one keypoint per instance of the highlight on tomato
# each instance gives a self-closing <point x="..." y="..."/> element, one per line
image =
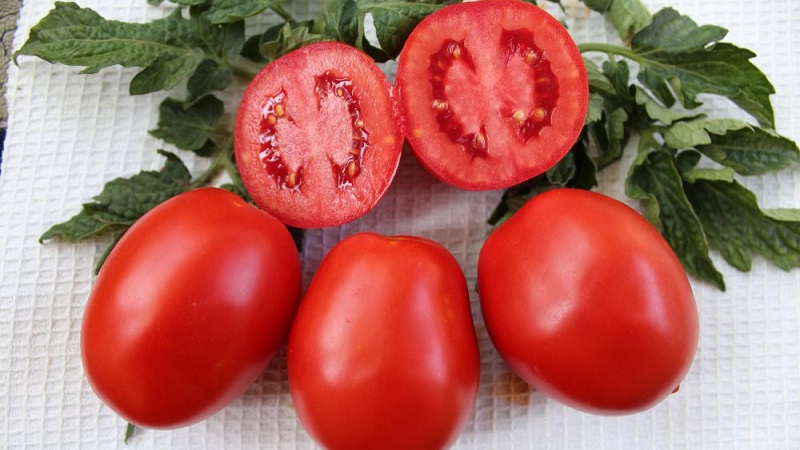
<point x="491" y="93"/>
<point x="383" y="351"/>
<point x="586" y="301"/>
<point x="189" y="308"/>
<point x="316" y="139"/>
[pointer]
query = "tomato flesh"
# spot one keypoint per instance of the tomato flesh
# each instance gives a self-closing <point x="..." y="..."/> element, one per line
<point x="586" y="301"/>
<point x="491" y="93"/>
<point x="316" y="139"/>
<point x="383" y="352"/>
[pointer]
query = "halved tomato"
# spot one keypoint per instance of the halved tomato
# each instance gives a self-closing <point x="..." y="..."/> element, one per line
<point x="492" y="93"/>
<point x="316" y="139"/>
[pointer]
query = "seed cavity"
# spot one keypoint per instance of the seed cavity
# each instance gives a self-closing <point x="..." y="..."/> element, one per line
<point x="440" y="64"/>
<point x="272" y="111"/>
<point x="520" y="43"/>
<point x="346" y="173"/>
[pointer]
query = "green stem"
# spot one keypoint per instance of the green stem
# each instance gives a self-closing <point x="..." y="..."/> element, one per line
<point x="242" y="72"/>
<point x="277" y="8"/>
<point x="610" y="49"/>
<point x="220" y="162"/>
<point x="129" y="430"/>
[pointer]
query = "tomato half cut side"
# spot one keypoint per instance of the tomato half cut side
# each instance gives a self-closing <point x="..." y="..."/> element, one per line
<point x="316" y="140"/>
<point x="491" y="93"/>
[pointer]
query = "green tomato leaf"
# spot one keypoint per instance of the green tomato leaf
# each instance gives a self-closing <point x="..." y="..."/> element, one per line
<point x="394" y="20"/>
<point x="672" y="33"/>
<point x="618" y="73"/>
<point x="659" y="112"/>
<point x="752" y="150"/>
<point x="784" y="214"/>
<point x="628" y="16"/>
<point x="596" y="107"/>
<point x="598" y="82"/>
<point x="686" y="163"/>
<point x="283" y="38"/>
<point x="654" y="179"/>
<point x="209" y="76"/>
<point x="168" y="50"/>
<point x="228" y="11"/>
<point x="610" y="135"/>
<point x="576" y="169"/>
<point x="123" y="201"/>
<point x="676" y="55"/>
<point x="188" y="127"/>
<point x="190" y="2"/>
<point x="736" y="225"/>
<point x="699" y="132"/>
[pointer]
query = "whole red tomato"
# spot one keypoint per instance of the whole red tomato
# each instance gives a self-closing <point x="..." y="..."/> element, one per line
<point x="586" y="301"/>
<point x="383" y="352"/>
<point x="189" y="308"/>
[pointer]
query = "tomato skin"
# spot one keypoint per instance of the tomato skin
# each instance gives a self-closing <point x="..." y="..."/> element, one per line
<point x="189" y="308"/>
<point x="383" y="352"/>
<point x="316" y="136"/>
<point x="586" y="301"/>
<point x="491" y="93"/>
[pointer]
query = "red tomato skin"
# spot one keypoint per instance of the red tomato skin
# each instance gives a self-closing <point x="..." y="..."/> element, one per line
<point x="586" y="302"/>
<point x="383" y="352"/>
<point x="478" y="26"/>
<point x="318" y="202"/>
<point x="189" y="308"/>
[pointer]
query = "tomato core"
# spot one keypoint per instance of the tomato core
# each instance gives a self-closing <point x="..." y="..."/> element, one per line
<point x="526" y="114"/>
<point x="274" y="119"/>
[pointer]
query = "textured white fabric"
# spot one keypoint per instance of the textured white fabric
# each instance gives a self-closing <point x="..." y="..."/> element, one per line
<point x="70" y="133"/>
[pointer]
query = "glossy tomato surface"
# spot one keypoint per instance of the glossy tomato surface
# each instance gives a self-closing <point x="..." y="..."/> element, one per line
<point x="492" y="93"/>
<point x="586" y="301"/>
<point x="383" y="352"/>
<point x="189" y="308"/>
<point x="316" y="139"/>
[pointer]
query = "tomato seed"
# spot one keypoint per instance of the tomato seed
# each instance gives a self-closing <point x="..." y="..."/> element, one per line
<point x="455" y="51"/>
<point x="520" y="116"/>
<point x="539" y="114"/>
<point x="531" y="56"/>
<point x="480" y="143"/>
<point x="291" y="180"/>
<point x="351" y="169"/>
